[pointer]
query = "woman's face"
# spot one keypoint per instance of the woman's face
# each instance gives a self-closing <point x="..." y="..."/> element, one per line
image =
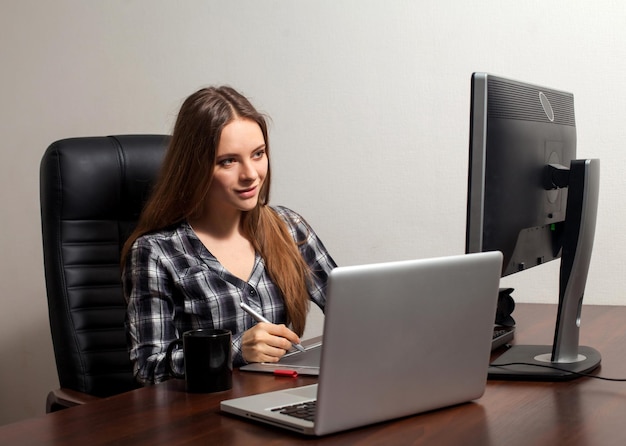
<point x="240" y="169"/>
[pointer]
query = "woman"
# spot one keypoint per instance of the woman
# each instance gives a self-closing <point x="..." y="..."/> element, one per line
<point x="208" y="240"/>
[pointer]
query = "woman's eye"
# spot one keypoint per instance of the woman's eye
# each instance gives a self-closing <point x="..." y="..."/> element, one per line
<point x="226" y="162"/>
<point x="259" y="154"/>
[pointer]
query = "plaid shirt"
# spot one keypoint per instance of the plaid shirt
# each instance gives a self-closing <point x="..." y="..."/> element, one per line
<point x="173" y="284"/>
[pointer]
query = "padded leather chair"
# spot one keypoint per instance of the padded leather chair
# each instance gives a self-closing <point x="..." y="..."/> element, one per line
<point x="92" y="191"/>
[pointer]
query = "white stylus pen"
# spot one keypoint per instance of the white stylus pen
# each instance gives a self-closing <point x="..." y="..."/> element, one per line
<point x="257" y="317"/>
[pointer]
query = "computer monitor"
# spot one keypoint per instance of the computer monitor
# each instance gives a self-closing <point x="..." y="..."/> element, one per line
<point x="530" y="198"/>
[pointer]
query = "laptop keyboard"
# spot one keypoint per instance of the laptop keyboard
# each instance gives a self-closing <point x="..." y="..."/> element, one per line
<point x="304" y="411"/>
<point x="501" y="336"/>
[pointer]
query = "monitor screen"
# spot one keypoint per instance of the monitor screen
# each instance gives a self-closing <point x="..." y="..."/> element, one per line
<point x="530" y="198"/>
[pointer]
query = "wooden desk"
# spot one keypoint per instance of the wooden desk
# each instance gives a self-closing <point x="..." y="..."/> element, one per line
<point x="580" y="412"/>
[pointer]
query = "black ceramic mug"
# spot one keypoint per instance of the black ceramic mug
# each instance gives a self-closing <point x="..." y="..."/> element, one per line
<point x="207" y="360"/>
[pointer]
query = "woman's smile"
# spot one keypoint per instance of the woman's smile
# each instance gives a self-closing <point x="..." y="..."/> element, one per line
<point x="248" y="193"/>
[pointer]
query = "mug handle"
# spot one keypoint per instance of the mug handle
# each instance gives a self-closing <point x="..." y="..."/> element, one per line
<point x="168" y="359"/>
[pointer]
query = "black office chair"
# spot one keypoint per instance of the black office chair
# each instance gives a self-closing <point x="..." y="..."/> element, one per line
<point x="92" y="191"/>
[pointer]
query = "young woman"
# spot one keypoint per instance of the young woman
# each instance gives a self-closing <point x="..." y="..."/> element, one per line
<point x="208" y="240"/>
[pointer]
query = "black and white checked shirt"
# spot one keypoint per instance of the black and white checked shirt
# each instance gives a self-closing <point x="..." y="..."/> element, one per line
<point x="173" y="284"/>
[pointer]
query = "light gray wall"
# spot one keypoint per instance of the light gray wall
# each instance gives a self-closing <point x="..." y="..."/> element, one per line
<point x="369" y="100"/>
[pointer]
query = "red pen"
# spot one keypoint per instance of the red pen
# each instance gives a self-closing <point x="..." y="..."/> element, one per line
<point x="285" y="372"/>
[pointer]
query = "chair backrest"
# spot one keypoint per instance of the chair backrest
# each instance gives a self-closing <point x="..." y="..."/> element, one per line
<point x="92" y="191"/>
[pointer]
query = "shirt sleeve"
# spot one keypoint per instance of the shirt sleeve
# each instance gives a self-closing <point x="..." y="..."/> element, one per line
<point x="238" y="360"/>
<point x="150" y="314"/>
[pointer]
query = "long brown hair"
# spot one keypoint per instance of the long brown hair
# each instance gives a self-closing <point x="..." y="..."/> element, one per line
<point x="184" y="181"/>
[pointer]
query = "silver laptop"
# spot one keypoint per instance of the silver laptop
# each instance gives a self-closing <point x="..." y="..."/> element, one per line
<point x="400" y="338"/>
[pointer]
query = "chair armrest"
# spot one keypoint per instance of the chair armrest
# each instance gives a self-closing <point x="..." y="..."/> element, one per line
<point x="63" y="398"/>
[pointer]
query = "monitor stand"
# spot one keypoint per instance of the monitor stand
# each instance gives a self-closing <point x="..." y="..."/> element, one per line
<point x="533" y="363"/>
<point x="565" y="358"/>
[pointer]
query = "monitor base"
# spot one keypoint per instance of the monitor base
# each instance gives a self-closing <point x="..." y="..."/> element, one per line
<point x="531" y="364"/>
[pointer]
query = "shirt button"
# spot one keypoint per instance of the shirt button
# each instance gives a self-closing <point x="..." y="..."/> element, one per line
<point x="252" y="292"/>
